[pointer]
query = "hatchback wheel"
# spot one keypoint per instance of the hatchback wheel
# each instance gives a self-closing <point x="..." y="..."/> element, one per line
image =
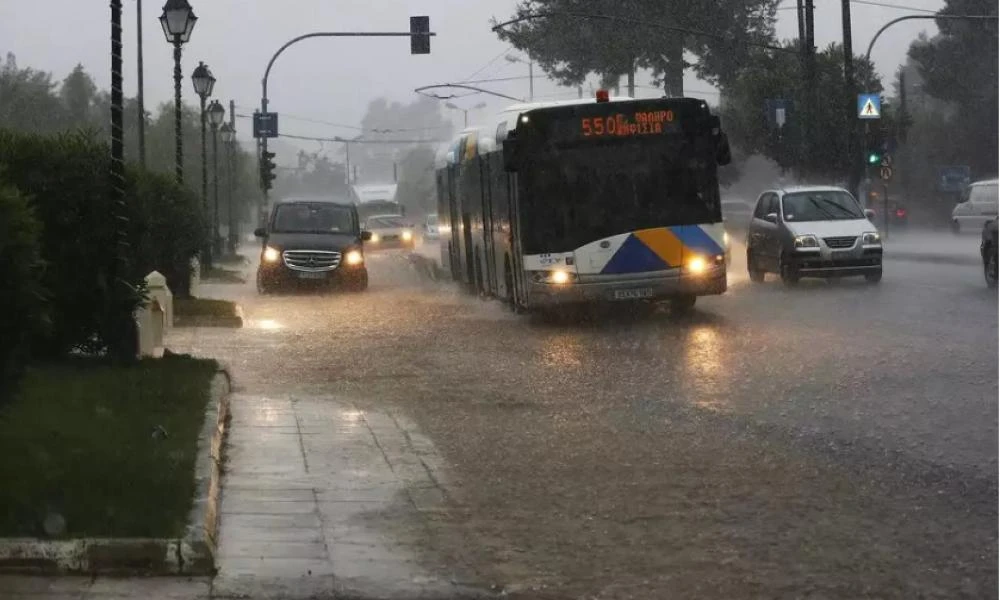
<point x="789" y="274"/>
<point x="756" y="275"/>
<point x="956" y="227"/>
<point x="990" y="270"/>
<point x="874" y="277"/>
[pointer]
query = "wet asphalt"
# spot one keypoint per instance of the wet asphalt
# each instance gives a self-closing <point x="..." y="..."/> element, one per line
<point x="837" y="439"/>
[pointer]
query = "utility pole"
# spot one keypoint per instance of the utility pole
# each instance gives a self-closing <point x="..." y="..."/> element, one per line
<point x="800" y="12"/>
<point x="631" y="77"/>
<point x="809" y="112"/>
<point x="140" y="94"/>
<point x="850" y="95"/>
<point x="900" y="118"/>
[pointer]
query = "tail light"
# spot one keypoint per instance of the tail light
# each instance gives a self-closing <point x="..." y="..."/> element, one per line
<point x="900" y="212"/>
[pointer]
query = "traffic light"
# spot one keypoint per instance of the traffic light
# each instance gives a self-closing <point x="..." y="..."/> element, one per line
<point x="420" y="41"/>
<point x="266" y="169"/>
<point x="874" y="157"/>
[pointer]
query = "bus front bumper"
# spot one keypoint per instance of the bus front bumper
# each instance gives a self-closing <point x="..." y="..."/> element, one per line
<point x="645" y="289"/>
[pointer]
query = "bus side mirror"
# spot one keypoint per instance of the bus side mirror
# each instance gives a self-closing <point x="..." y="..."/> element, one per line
<point x="511" y="155"/>
<point x="723" y="154"/>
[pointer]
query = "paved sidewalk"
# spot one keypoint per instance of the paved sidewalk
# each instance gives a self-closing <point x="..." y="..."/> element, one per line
<point x="321" y="497"/>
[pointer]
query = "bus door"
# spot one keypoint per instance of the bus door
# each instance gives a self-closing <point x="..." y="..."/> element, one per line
<point x="489" y="254"/>
<point x="517" y="264"/>
<point x="454" y="244"/>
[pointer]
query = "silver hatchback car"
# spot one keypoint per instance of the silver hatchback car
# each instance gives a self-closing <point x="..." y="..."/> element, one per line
<point x="816" y="231"/>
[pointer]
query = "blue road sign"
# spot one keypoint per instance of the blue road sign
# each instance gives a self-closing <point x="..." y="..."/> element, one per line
<point x="954" y="179"/>
<point x="265" y="125"/>
<point x="869" y="106"/>
<point x="779" y="112"/>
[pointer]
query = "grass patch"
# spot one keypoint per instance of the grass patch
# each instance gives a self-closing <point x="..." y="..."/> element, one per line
<point x="79" y="441"/>
<point x="203" y="307"/>
<point x="217" y="275"/>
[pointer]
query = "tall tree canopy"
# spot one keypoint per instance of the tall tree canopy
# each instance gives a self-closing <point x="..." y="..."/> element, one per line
<point x="570" y="48"/>
<point x="774" y="75"/>
<point x="960" y="66"/>
<point x="386" y="121"/>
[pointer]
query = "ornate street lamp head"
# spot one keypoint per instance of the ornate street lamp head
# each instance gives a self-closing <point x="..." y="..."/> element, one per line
<point x="216" y="113"/>
<point x="204" y="81"/>
<point x="227" y="133"/>
<point x="177" y="21"/>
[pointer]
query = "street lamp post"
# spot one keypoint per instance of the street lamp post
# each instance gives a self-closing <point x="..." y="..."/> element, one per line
<point x="228" y="134"/>
<point x="531" y="74"/>
<point x="217" y="116"/>
<point x="465" y="111"/>
<point x="204" y="83"/>
<point x="178" y="21"/>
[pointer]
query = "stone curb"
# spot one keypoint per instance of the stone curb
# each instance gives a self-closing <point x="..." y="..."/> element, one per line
<point x="234" y="322"/>
<point x="194" y="554"/>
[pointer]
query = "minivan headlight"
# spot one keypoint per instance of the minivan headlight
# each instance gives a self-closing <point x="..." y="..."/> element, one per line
<point x="271" y="254"/>
<point x="354" y="257"/>
<point x="871" y="238"/>
<point x="806" y="241"/>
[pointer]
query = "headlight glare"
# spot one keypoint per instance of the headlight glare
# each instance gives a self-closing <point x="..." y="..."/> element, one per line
<point x="354" y="257"/>
<point x="271" y="254"/>
<point x="407" y="236"/>
<point x="374" y="238"/>
<point x="806" y="241"/>
<point x="871" y="238"/>
<point x="696" y="265"/>
<point x="556" y="277"/>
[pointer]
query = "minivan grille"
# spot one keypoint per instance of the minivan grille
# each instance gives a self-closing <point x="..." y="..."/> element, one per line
<point x="311" y="260"/>
<point x="840" y="242"/>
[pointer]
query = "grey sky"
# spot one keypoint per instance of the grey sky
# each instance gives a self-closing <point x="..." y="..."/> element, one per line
<point x="333" y="80"/>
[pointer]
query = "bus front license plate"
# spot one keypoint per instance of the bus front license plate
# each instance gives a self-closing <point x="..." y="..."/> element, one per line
<point x="308" y="275"/>
<point x="633" y="294"/>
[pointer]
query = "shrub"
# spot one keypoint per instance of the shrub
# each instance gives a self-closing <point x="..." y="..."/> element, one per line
<point x="21" y="296"/>
<point x="66" y="177"/>
<point x="166" y="227"/>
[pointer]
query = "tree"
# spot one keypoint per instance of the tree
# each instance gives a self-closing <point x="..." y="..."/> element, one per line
<point x="570" y="48"/>
<point x="385" y="121"/>
<point x="78" y="93"/>
<point x="774" y="75"/>
<point x="27" y="102"/>
<point x="959" y="66"/>
<point x="416" y="180"/>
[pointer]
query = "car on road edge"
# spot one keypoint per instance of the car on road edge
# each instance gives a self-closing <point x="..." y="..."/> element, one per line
<point x="787" y="238"/>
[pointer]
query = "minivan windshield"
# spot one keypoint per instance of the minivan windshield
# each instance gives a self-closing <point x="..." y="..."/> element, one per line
<point x="984" y="193"/>
<point x="313" y="217"/>
<point x="827" y="205"/>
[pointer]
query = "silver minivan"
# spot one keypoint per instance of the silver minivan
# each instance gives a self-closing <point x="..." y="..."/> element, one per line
<point x="817" y="231"/>
<point x="979" y="204"/>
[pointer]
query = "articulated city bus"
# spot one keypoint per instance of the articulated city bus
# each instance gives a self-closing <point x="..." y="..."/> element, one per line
<point x="587" y="202"/>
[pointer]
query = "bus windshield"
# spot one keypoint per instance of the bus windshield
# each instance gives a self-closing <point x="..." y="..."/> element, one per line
<point x="574" y="196"/>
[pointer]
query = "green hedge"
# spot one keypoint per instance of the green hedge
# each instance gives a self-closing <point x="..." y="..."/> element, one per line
<point x="66" y="178"/>
<point x="21" y="268"/>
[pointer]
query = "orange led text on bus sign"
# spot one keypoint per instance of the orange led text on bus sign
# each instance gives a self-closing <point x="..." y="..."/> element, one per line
<point x="643" y="123"/>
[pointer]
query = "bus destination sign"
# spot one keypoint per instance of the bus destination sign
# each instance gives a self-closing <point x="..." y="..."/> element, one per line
<point x="621" y="125"/>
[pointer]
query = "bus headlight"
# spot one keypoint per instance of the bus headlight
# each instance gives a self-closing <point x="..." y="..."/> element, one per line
<point x="556" y="277"/>
<point x="354" y="257"/>
<point x="271" y="254"/>
<point x="697" y="265"/>
<point x="407" y="235"/>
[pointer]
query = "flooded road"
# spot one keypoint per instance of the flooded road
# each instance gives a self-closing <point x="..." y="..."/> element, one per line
<point x="837" y="440"/>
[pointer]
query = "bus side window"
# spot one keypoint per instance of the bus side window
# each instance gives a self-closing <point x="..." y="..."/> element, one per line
<point x="501" y="133"/>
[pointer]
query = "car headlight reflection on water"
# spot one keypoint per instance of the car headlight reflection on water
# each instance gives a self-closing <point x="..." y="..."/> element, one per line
<point x="271" y="254"/>
<point x="354" y="257"/>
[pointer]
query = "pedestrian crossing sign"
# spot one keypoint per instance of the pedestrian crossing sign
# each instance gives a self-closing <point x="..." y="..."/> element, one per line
<point x="869" y="106"/>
